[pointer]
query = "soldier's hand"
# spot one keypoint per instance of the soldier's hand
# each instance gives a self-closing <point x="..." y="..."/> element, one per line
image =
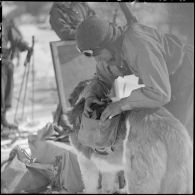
<point x="88" y="103"/>
<point x="111" y="110"/>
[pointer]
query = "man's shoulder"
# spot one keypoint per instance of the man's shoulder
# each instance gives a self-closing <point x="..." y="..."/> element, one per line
<point x="140" y="33"/>
<point x="129" y="33"/>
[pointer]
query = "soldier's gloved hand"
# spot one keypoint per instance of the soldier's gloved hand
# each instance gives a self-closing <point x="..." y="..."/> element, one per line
<point x="111" y="110"/>
<point x="88" y="103"/>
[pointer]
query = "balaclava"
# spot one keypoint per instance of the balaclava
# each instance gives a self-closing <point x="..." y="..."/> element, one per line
<point x="95" y="33"/>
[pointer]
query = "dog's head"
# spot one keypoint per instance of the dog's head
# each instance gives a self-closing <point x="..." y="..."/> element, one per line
<point x="73" y="117"/>
<point x="77" y="102"/>
<point x="77" y="92"/>
<point x="75" y="114"/>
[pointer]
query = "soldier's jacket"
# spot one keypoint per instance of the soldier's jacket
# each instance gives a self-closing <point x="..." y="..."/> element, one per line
<point x="11" y="38"/>
<point x="66" y="16"/>
<point x="153" y="57"/>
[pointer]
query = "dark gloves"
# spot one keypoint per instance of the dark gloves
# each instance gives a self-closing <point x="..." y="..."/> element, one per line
<point x="89" y="102"/>
<point x="112" y="109"/>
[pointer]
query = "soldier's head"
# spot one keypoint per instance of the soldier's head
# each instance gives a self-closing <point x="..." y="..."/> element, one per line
<point x="95" y="37"/>
<point x="65" y="3"/>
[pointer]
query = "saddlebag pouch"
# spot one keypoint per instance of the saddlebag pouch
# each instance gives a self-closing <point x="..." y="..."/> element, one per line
<point x="98" y="134"/>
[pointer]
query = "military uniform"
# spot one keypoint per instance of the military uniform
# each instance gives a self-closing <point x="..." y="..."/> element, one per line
<point x="66" y="16"/>
<point x="163" y="64"/>
<point x="10" y="39"/>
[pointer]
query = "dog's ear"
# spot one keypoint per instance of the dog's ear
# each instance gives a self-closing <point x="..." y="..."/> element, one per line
<point x="78" y="108"/>
<point x="77" y="103"/>
<point x="76" y="113"/>
<point x="75" y="96"/>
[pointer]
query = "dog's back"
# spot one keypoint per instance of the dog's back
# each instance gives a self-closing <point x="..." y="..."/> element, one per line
<point x="158" y="153"/>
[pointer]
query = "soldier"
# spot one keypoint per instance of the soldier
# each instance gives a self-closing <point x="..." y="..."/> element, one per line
<point x="161" y="62"/>
<point x="10" y="39"/>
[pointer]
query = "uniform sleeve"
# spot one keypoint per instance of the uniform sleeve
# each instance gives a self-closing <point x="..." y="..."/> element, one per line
<point x="101" y="83"/>
<point x="152" y="69"/>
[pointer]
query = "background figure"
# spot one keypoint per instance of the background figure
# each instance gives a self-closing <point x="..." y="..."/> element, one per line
<point x="66" y="16"/>
<point x="11" y="39"/>
<point x="64" y="19"/>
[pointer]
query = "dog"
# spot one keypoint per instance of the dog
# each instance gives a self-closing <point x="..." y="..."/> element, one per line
<point x="153" y="149"/>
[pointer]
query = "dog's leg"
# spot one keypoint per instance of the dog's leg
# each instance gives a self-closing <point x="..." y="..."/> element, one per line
<point x="109" y="183"/>
<point x="90" y="174"/>
<point x="122" y="185"/>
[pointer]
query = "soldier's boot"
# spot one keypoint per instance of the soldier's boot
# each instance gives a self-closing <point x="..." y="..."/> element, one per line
<point x="5" y="123"/>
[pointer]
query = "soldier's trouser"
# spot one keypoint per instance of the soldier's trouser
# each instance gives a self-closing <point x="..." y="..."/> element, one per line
<point x="182" y="89"/>
<point x="7" y="70"/>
